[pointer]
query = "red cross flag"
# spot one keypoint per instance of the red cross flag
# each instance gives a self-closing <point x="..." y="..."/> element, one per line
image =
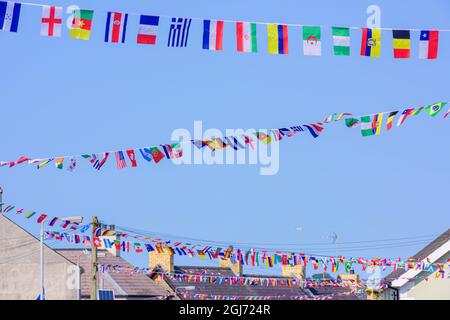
<point x="51" y="21"/>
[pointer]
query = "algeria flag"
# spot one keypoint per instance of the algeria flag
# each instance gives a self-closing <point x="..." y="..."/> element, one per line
<point x="311" y="41"/>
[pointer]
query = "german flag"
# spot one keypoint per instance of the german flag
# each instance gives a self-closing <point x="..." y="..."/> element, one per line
<point x="402" y="43"/>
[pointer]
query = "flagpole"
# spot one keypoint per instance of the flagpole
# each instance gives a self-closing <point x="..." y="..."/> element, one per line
<point x="42" y="260"/>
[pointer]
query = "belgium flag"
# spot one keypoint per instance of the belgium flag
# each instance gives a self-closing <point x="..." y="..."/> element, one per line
<point x="402" y="43"/>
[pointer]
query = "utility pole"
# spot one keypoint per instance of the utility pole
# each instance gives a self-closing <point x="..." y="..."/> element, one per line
<point x="94" y="260"/>
<point x="1" y="199"/>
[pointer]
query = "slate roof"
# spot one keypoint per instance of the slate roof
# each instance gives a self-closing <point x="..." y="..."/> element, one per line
<point x="135" y="285"/>
<point x="215" y="289"/>
<point x="425" y="252"/>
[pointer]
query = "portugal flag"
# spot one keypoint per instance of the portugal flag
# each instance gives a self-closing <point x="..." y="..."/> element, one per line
<point x="81" y="24"/>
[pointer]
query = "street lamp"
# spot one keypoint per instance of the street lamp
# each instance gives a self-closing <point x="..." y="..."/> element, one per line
<point x="74" y="219"/>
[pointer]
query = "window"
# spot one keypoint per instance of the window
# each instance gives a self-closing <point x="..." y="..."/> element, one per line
<point x="105" y="295"/>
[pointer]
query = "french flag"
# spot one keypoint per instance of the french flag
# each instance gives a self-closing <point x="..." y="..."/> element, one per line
<point x="212" y="34"/>
<point x="148" y="29"/>
<point x="116" y="27"/>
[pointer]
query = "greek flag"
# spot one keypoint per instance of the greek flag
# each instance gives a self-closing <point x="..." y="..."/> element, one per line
<point x="179" y="32"/>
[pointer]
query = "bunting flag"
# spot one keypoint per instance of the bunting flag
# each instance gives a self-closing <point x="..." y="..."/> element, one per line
<point x="246" y="37"/>
<point x="59" y="163"/>
<point x="341" y="41"/>
<point x="366" y="126"/>
<point x="212" y="34"/>
<point x="312" y="45"/>
<point x="434" y="109"/>
<point x="9" y="16"/>
<point x="51" y="21"/>
<point x="120" y="159"/>
<point x="277" y="38"/>
<point x="148" y="29"/>
<point x="371" y="42"/>
<point x="179" y="32"/>
<point x="404" y="115"/>
<point x="81" y="24"/>
<point x="428" y="44"/>
<point x="132" y="157"/>
<point x="390" y="119"/>
<point x="376" y="123"/>
<point x="402" y="43"/>
<point x="116" y="27"/>
<point x="370" y="125"/>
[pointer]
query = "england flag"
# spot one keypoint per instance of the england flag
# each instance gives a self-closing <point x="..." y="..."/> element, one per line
<point x="9" y="16"/>
<point x="116" y="27"/>
<point x="51" y="21"/>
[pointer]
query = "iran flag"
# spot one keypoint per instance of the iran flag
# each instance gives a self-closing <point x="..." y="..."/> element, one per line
<point x="51" y="21"/>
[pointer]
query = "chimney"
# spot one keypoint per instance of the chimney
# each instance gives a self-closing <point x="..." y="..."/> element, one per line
<point x="163" y="260"/>
<point x="297" y="271"/>
<point x="235" y="267"/>
<point x="349" y="278"/>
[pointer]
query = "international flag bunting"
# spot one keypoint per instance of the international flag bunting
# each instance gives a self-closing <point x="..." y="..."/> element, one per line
<point x="146" y="154"/>
<point x="98" y="163"/>
<point x="120" y="158"/>
<point x="148" y="29"/>
<point x="402" y="43"/>
<point x="246" y="37"/>
<point x="179" y="32"/>
<point x="277" y="38"/>
<point x="59" y="163"/>
<point x="376" y="123"/>
<point x="434" y="109"/>
<point x="9" y="16"/>
<point x="417" y="111"/>
<point x="172" y="151"/>
<point x="44" y="163"/>
<point x="212" y="34"/>
<point x="366" y="126"/>
<point x="341" y="41"/>
<point x="157" y="155"/>
<point x="132" y="156"/>
<point x="446" y="114"/>
<point x="116" y="27"/>
<point x="428" y="44"/>
<point x="404" y="115"/>
<point x="81" y="24"/>
<point x="351" y="122"/>
<point x="41" y="218"/>
<point x="390" y="119"/>
<point x="72" y="164"/>
<point x="371" y="42"/>
<point x="314" y="129"/>
<point x="312" y="45"/>
<point x="51" y="21"/>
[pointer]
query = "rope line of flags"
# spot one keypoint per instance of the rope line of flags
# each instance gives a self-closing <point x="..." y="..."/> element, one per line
<point x="105" y="238"/>
<point x="247" y="34"/>
<point x="369" y="125"/>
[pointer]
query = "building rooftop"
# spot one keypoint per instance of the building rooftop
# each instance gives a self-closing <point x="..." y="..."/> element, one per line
<point x="422" y="254"/>
<point x="135" y="285"/>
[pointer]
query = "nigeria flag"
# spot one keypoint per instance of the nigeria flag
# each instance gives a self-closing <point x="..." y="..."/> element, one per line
<point x="341" y="41"/>
<point x="366" y="126"/>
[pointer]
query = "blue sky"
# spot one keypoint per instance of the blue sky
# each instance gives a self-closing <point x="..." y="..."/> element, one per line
<point x="63" y="96"/>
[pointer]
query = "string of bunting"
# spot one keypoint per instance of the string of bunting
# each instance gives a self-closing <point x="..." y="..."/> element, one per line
<point x="204" y="277"/>
<point x="369" y="125"/>
<point x="107" y="239"/>
<point x="250" y="257"/>
<point x="51" y="221"/>
<point x="247" y="36"/>
<point x="232" y="280"/>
